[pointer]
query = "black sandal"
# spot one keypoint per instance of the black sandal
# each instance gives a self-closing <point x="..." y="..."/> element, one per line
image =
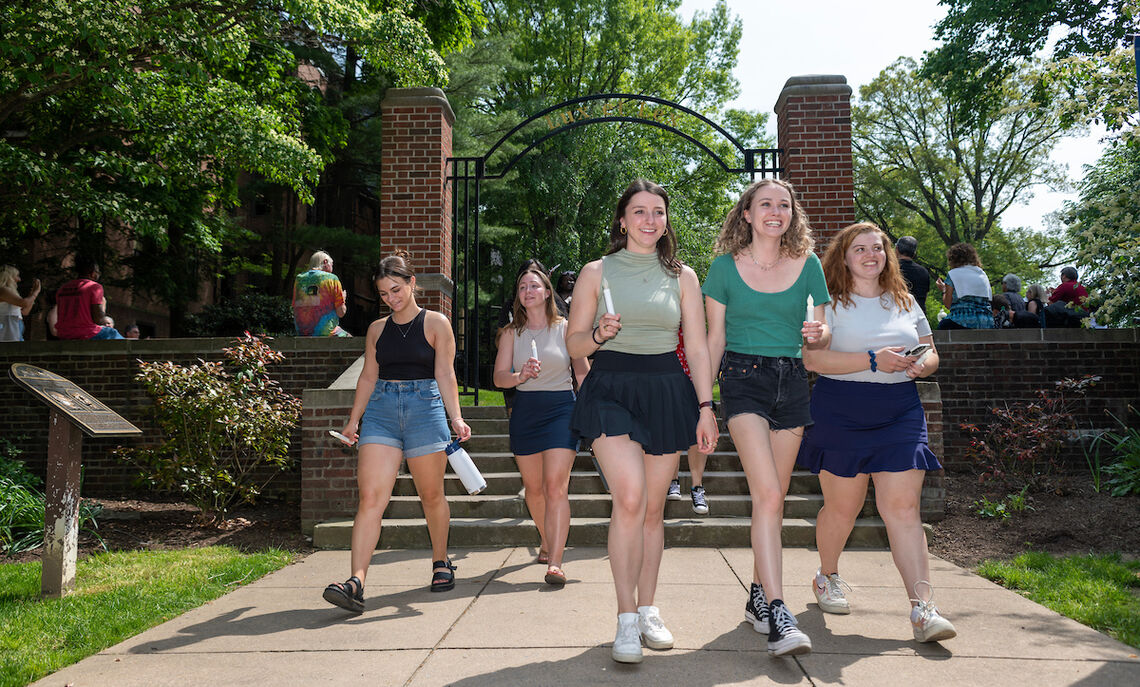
<point x="341" y="594"/>
<point x="442" y="580"/>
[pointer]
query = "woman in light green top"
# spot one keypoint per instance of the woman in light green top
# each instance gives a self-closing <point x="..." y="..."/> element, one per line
<point x="757" y="298"/>
<point x="636" y="405"/>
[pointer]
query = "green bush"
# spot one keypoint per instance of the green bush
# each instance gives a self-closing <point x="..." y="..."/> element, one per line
<point x="1124" y="472"/>
<point x="12" y="468"/>
<point x="222" y="424"/>
<point x="22" y="511"/>
<point x="250" y="312"/>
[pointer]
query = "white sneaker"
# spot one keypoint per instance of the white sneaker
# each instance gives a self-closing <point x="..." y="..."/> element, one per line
<point x="784" y="638"/>
<point x="925" y="620"/>
<point x="627" y="642"/>
<point x="652" y="628"/>
<point x="829" y="593"/>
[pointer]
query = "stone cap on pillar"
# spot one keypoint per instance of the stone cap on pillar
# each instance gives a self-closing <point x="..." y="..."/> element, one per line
<point x="418" y="97"/>
<point x="812" y="84"/>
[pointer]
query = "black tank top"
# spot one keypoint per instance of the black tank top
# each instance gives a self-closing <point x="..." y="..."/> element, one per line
<point x="402" y="350"/>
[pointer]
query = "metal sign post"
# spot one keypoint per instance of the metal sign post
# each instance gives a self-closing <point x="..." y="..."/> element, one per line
<point x="73" y="413"/>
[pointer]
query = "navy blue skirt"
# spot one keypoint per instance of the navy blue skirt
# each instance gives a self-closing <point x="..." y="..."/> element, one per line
<point x="540" y="420"/>
<point x="647" y="397"/>
<point x="865" y="427"/>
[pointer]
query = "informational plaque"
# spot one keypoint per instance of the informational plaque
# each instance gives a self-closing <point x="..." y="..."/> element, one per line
<point x="87" y="412"/>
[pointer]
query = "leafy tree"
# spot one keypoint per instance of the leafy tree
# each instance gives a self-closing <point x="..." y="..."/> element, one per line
<point x="923" y="169"/>
<point x="1105" y="225"/>
<point x="985" y="41"/>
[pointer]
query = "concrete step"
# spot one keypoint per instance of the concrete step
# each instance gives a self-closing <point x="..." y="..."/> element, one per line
<point x="504" y="461"/>
<point x="500" y="443"/>
<point x="695" y="531"/>
<point x="599" y="505"/>
<point x="590" y="482"/>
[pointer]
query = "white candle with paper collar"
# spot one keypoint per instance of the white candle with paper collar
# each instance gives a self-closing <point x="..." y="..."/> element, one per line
<point x="810" y="309"/>
<point x="606" y="295"/>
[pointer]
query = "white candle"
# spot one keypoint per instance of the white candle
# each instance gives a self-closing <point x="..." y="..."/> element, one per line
<point x="608" y="297"/>
<point x="533" y="349"/>
<point x="810" y="309"/>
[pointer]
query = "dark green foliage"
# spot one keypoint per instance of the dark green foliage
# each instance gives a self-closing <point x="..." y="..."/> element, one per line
<point x="22" y="511"/>
<point x="1123" y="470"/>
<point x="226" y="427"/>
<point x="250" y="312"/>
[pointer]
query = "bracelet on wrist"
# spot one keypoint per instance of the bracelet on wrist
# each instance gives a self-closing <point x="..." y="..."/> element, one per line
<point x="594" y="336"/>
<point x="704" y="404"/>
<point x="874" y="365"/>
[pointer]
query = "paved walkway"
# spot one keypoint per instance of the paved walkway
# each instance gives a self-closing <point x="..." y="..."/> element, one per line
<point x="503" y="626"/>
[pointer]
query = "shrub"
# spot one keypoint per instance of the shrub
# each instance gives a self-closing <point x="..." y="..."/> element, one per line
<point x="222" y="424"/>
<point x="250" y="312"/>
<point x="22" y="512"/>
<point x="1022" y="446"/>
<point x="12" y="468"/>
<point x="1124" y="472"/>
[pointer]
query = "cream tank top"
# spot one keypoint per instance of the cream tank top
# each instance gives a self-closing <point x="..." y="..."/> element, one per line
<point x="551" y="345"/>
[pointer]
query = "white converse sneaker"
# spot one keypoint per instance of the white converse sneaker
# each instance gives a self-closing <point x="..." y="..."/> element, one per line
<point x="829" y="593"/>
<point x="652" y="628"/>
<point x="925" y="620"/>
<point x="785" y="639"/>
<point x="627" y="642"/>
<point x="674" y="493"/>
<point x="756" y="609"/>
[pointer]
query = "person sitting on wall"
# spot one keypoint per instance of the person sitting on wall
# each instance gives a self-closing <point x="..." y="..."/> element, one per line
<point x="1001" y="310"/>
<point x="1065" y="307"/>
<point x="81" y="307"/>
<point x="132" y="331"/>
<point x="13" y="306"/>
<point x="319" y="299"/>
<point x="916" y="276"/>
<point x="1011" y="289"/>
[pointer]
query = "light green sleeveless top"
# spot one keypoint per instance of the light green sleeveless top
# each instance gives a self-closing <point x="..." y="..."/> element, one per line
<point x="648" y="299"/>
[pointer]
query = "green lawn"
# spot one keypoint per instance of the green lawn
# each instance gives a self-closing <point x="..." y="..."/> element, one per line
<point x="117" y="596"/>
<point x="1101" y="591"/>
<point x="487" y="397"/>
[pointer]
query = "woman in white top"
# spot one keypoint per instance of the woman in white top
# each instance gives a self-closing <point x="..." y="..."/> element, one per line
<point x="14" y="307"/>
<point x="532" y="358"/>
<point x="869" y="421"/>
<point x="966" y="290"/>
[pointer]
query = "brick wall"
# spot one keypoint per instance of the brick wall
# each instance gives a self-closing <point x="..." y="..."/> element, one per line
<point x="328" y="470"/>
<point x="814" y="130"/>
<point x="106" y="369"/>
<point x="984" y="369"/>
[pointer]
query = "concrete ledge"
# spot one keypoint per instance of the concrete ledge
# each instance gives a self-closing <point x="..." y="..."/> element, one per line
<point x="811" y="85"/>
<point x="418" y="97"/>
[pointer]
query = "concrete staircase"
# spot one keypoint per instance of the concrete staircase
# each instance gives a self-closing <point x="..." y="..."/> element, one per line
<point x="498" y="516"/>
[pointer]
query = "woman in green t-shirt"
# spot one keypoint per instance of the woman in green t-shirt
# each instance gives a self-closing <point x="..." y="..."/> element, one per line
<point x="757" y="298"/>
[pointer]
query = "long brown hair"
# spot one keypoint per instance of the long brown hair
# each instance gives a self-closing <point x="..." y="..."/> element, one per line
<point x="839" y="279"/>
<point x="666" y="245"/>
<point x="736" y="232"/>
<point x="519" y="323"/>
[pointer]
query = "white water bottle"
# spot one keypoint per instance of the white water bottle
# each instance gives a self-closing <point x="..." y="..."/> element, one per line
<point x="463" y="466"/>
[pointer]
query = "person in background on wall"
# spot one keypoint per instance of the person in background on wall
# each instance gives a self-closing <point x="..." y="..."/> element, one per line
<point x="540" y="435"/>
<point x="636" y="406"/>
<point x="398" y="412"/>
<point x="999" y="306"/>
<point x="1069" y="291"/>
<point x="869" y="421"/>
<point x="966" y="291"/>
<point x="916" y="276"/>
<point x="1034" y="315"/>
<point x="693" y="458"/>
<point x="81" y="307"/>
<point x="13" y="306"/>
<point x="1011" y="289"/>
<point x="132" y="331"/>
<point x="565" y="288"/>
<point x="319" y="299"/>
<point x="756" y="297"/>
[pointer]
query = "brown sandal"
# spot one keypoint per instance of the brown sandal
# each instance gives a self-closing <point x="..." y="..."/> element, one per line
<point x="555" y="576"/>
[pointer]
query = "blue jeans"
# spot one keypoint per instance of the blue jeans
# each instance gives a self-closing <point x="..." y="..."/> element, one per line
<point x="107" y="333"/>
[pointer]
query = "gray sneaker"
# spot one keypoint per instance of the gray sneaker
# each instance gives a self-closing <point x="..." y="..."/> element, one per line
<point x="674" y="493"/>
<point x="700" y="504"/>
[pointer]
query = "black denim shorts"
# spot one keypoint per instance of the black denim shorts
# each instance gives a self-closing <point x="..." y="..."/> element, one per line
<point x="776" y="389"/>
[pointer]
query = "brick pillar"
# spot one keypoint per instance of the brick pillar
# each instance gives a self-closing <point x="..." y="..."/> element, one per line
<point x="415" y="198"/>
<point x="814" y="123"/>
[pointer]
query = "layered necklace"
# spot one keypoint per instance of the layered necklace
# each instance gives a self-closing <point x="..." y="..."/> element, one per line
<point x="764" y="266"/>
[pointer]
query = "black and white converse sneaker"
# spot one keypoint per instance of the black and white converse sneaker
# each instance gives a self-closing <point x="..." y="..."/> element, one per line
<point x="700" y="503"/>
<point x="756" y="609"/>
<point x="784" y="638"/>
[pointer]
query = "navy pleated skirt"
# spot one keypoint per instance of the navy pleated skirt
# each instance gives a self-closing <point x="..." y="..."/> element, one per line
<point x="540" y="420"/>
<point x="865" y="427"/>
<point x="648" y="397"/>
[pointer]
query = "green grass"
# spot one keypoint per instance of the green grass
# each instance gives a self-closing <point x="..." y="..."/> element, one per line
<point x="1101" y="591"/>
<point x="117" y="596"/>
<point x="487" y="397"/>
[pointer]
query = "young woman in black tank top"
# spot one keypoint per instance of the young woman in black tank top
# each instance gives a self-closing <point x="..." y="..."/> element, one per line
<point x="407" y="383"/>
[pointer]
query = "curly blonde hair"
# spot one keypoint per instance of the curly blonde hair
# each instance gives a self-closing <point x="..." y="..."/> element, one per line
<point x="736" y="232"/>
<point x="839" y="280"/>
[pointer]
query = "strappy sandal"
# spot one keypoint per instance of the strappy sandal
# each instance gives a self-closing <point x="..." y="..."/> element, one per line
<point x="543" y="557"/>
<point x="555" y="576"/>
<point x="349" y="594"/>
<point x="442" y="580"/>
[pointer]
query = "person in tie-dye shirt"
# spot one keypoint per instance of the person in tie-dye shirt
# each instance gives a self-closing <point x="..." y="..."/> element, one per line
<point x="318" y="299"/>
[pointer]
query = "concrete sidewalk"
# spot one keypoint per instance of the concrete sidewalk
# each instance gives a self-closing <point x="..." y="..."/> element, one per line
<point x="503" y="626"/>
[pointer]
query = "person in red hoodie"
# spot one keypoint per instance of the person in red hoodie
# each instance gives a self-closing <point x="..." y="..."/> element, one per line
<point x="81" y="307"/>
<point x="1070" y="291"/>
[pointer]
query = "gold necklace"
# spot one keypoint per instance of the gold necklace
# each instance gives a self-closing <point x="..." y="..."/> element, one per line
<point x="764" y="266"/>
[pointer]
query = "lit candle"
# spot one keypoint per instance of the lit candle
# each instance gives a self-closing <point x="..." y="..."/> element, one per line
<point x="607" y="296"/>
<point x="810" y="309"/>
<point x="533" y="349"/>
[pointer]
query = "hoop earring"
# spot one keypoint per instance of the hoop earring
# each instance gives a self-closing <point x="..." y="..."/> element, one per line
<point x="623" y="231"/>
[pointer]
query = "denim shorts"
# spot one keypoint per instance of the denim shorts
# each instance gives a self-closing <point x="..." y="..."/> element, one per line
<point x="408" y="415"/>
<point x="776" y="389"/>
